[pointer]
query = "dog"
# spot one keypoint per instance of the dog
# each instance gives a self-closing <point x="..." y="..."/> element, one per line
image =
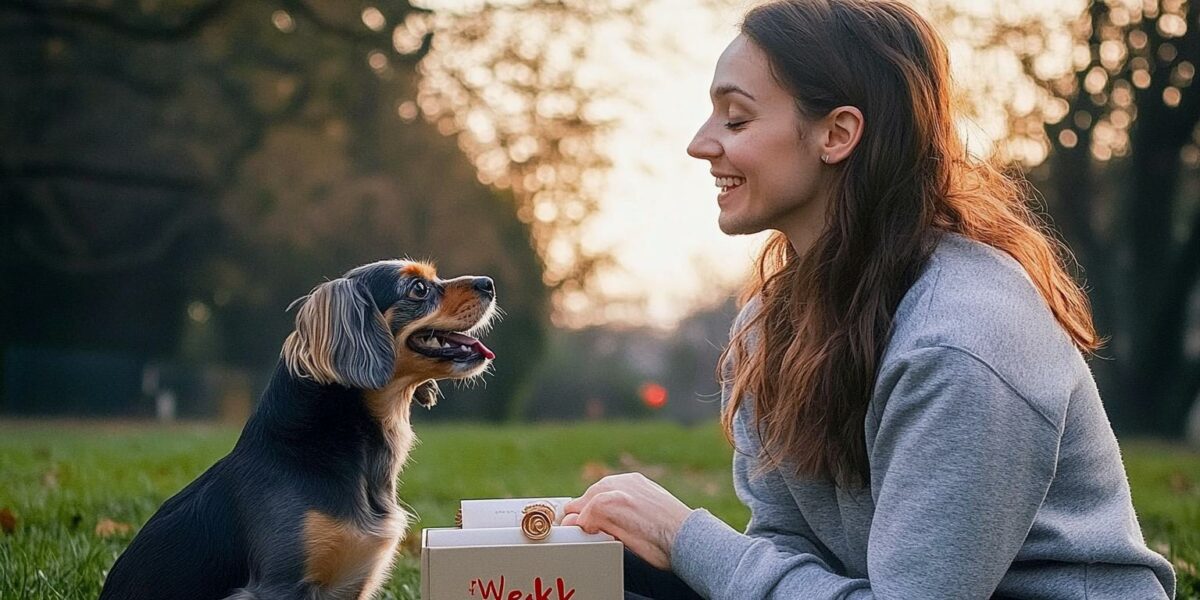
<point x="305" y="506"/>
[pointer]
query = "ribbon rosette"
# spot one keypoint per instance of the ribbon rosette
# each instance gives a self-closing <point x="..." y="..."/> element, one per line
<point x="536" y="520"/>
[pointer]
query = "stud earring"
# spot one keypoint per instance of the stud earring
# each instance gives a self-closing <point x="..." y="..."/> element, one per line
<point x="825" y="158"/>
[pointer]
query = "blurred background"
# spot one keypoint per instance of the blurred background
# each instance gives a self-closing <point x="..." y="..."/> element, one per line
<point x="173" y="173"/>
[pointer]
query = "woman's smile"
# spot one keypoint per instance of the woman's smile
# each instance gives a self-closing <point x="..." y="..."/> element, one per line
<point x="728" y="185"/>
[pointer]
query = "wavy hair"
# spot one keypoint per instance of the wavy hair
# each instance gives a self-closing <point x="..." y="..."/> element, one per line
<point x="825" y="318"/>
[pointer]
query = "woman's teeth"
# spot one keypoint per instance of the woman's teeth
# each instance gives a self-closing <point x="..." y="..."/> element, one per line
<point x="729" y="183"/>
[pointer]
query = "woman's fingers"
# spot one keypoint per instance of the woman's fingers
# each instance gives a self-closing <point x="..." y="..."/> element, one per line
<point x="635" y="510"/>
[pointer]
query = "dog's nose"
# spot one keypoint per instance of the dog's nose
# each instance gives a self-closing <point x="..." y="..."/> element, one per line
<point x="485" y="286"/>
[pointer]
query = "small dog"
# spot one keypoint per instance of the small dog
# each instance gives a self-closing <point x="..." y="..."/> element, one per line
<point x="304" y="506"/>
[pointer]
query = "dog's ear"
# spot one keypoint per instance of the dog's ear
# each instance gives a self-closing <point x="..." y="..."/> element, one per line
<point x="427" y="394"/>
<point x="341" y="337"/>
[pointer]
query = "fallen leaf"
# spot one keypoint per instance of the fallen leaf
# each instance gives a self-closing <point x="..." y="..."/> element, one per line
<point x="108" y="528"/>
<point x="1179" y="482"/>
<point x="8" y="521"/>
<point x="593" y="470"/>
<point x="630" y="463"/>
<point x="50" y="478"/>
<point x="1184" y="566"/>
<point x="410" y="545"/>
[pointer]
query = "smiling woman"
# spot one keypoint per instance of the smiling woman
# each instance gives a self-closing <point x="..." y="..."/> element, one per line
<point x="760" y="156"/>
<point x="905" y="385"/>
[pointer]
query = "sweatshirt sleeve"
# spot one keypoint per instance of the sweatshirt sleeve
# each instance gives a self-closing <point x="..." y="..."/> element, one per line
<point x="960" y="463"/>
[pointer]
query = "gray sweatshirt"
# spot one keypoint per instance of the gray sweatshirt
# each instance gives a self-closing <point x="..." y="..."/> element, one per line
<point x="994" y="471"/>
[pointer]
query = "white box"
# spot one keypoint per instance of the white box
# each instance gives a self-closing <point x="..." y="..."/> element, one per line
<point x="503" y="564"/>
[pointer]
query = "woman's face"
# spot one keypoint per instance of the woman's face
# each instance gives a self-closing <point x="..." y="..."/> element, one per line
<point x="768" y="170"/>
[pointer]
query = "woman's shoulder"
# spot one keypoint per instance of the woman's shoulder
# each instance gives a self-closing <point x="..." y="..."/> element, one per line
<point x="973" y="292"/>
<point x="976" y="299"/>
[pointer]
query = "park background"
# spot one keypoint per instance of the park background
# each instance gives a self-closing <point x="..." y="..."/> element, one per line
<point x="173" y="173"/>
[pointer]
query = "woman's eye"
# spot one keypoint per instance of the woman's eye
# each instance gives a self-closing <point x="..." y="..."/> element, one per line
<point x="419" y="291"/>
<point x="735" y="125"/>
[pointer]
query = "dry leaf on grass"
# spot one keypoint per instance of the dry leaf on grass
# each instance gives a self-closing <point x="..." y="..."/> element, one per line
<point x="107" y="528"/>
<point x="411" y="544"/>
<point x="1183" y="566"/>
<point x="1179" y="482"/>
<point x="593" y="470"/>
<point x="630" y="463"/>
<point x="50" y="478"/>
<point x="8" y="521"/>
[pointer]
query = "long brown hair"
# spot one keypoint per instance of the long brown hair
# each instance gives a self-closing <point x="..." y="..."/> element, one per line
<point x="825" y="318"/>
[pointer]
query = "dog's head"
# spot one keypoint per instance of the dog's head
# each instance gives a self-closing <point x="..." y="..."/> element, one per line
<point x="388" y="320"/>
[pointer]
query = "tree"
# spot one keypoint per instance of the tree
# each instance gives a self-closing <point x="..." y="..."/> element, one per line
<point x="1104" y="121"/>
<point x="1121" y="177"/>
<point x="224" y="156"/>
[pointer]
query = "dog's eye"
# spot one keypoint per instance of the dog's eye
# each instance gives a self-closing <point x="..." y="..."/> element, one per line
<point x="419" y="291"/>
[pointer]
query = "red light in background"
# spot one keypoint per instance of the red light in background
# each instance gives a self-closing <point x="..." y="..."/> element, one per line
<point x="653" y="395"/>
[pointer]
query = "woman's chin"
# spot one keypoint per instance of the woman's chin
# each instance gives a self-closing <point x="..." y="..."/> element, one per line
<point x="733" y="224"/>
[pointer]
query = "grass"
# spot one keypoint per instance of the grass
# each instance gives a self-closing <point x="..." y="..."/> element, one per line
<point x="78" y="492"/>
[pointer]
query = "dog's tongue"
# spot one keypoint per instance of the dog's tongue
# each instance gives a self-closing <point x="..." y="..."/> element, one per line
<point x="471" y="342"/>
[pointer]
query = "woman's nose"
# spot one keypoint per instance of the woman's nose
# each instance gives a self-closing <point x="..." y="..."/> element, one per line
<point x="704" y="146"/>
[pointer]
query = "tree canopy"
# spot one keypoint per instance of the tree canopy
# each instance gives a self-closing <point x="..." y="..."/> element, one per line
<point x="175" y="172"/>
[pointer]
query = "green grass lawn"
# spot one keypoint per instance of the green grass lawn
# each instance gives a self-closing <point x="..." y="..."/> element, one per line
<point x="60" y="481"/>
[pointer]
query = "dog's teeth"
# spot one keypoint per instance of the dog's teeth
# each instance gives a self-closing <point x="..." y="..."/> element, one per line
<point x="464" y="348"/>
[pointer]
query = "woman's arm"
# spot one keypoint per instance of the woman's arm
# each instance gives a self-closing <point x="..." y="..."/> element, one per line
<point x="960" y="464"/>
<point x="647" y="518"/>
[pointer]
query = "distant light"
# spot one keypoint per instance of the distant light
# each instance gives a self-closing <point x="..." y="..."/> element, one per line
<point x="373" y="19"/>
<point x="283" y="21"/>
<point x="1121" y="94"/>
<point x="1172" y="96"/>
<point x="653" y="395"/>
<point x="1137" y="39"/>
<point x="1141" y="79"/>
<point x="1111" y="54"/>
<point x="407" y="110"/>
<point x="1183" y="73"/>
<point x="1190" y="155"/>
<point x="1095" y="81"/>
<point x="199" y="312"/>
<point x="1056" y="110"/>
<point x="1119" y="118"/>
<point x="1067" y="138"/>
<point x="1167" y="52"/>
<point x="377" y="60"/>
<point x="1172" y="25"/>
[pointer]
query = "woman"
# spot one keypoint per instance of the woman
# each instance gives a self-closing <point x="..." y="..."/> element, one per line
<point x="905" y="389"/>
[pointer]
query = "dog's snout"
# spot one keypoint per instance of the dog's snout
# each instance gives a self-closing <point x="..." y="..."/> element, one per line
<point x="485" y="286"/>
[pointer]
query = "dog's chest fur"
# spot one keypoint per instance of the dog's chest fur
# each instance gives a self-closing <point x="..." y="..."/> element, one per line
<point x="349" y="558"/>
<point x="345" y="560"/>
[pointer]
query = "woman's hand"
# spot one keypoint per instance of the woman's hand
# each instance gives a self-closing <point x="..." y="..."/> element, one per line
<point x="633" y="509"/>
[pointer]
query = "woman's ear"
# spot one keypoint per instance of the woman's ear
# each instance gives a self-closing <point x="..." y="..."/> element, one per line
<point x="842" y="129"/>
<point x="341" y="338"/>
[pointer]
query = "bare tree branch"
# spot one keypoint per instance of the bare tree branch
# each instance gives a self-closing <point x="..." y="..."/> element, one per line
<point x="58" y="15"/>
<point x="79" y="257"/>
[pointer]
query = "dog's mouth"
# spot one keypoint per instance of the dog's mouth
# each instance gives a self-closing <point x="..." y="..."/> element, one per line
<point x="449" y="345"/>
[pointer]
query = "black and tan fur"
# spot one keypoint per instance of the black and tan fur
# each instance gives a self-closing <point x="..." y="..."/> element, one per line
<point x="305" y="505"/>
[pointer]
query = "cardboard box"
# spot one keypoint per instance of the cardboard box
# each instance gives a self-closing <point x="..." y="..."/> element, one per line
<point x="504" y="564"/>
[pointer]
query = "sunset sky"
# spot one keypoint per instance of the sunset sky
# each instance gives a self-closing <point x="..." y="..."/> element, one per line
<point x="659" y="213"/>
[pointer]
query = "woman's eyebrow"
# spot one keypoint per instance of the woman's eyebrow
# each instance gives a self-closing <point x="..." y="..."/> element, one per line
<point x="728" y="88"/>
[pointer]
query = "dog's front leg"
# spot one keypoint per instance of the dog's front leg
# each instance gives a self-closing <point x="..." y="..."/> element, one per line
<point x="295" y="591"/>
